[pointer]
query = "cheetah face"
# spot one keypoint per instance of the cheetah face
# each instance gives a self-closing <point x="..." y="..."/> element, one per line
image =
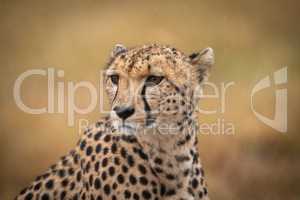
<point x="154" y="86"/>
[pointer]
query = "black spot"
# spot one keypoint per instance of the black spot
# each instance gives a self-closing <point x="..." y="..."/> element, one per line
<point x="87" y="186"/>
<point x="45" y="196"/>
<point x="104" y="175"/>
<point x="93" y="158"/>
<point x="129" y="138"/>
<point x="49" y="184"/>
<point x="72" y="186"/>
<point x="195" y="158"/>
<point x="98" y="148"/>
<point x="105" y="150"/>
<point x="142" y="154"/>
<point x="142" y="169"/>
<point x="106" y="189"/>
<point x="23" y="191"/>
<point x="188" y="137"/>
<point x="158" y="170"/>
<point x="114" y="186"/>
<point x="64" y="161"/>
<point x="170" y="165"/>
<point x="98" y="124"/>
<point x="83" y="196"/>
<point x="114" y="148"/>
<point x="82" y="145"/>
<point x="28" y="196"/>
<point x="136" y="196"/>
<point x="127" y="194"/>
<point x="190" y="190"/>
<point x="91" y="180"/>
<point x="170" y="192"/>
<point x="146" y="194"/>
<point x="117" y="161"/>
<point x="111" y="170"/>
<point x="99" y="197"/>
<point x="78" y="176"/>
<point x="158" y="161"/>
<point x="130" y="160"/>
<point x="181" y="142"/>
<point x="37" y="186"/>
<point x="143" y="180"/>
<point x="170" y="176"/>
<point x="65" y="182"/>
<point x="200" y="194"/>
<point x="76" y="158"/>
<point x="63" y="195"/>
<point x="132" y="179"/>
<point x="97" y="166"/>
<point x="88" y="166"/>
<point x="120" y="178"/>
<point x="162" y="189"/>
<point x="195" y="183"/>
<point x="154" y="190"/>
<point x="97" y="135"/>
<point x="82" y="163"/>
<point x="182" y="158"/>
<point x="124" y="168"/>
<point x="107" y="138"/>
<point x="104" y="162"/>
<point x="123" y="153"/>
<point x="71" y="171"/>
<point x="61" y="173"/>
<point x="97" y="183"/>
<point x="153" y="183"/>
<point x="186" y="172"/>
<point x="75" y="197"/>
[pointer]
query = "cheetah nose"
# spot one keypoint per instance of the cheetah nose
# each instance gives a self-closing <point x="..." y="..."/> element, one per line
<point x="124" y="112"/>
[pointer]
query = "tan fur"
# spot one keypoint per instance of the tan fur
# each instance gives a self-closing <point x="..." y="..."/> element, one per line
<point x="149" y="151"/>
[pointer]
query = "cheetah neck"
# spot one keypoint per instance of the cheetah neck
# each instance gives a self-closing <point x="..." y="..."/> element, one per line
<point x="172" y="155"/>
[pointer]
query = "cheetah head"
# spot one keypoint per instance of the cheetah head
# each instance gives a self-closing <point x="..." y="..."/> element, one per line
<point x="154" y="85"/>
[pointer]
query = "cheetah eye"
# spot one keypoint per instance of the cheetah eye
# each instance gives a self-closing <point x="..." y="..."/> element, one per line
<point x="114" y="79"/>
<point x="153" y="80"/>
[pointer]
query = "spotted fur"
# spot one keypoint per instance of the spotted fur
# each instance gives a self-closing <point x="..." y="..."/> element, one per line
<point x="147" y="147"/>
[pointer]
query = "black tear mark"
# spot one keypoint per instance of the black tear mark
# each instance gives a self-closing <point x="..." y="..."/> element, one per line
<point x="149" y="117"/>
<point x="115" y="94"/>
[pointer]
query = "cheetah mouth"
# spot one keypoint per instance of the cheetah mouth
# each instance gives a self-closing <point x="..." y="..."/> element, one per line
<point x="135" y="127"/>
<point x="150" y="122"/>
<point x="127" y="128"/>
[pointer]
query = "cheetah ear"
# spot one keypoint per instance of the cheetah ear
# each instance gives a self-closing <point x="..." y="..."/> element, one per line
<point x="118" y="48"/>
<point x="202" y="61"/>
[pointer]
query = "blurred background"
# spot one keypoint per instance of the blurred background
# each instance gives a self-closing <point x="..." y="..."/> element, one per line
<point x="251" y="39"/>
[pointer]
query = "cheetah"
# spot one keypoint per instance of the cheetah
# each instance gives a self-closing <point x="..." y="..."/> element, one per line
<point x="146" y="148"/>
